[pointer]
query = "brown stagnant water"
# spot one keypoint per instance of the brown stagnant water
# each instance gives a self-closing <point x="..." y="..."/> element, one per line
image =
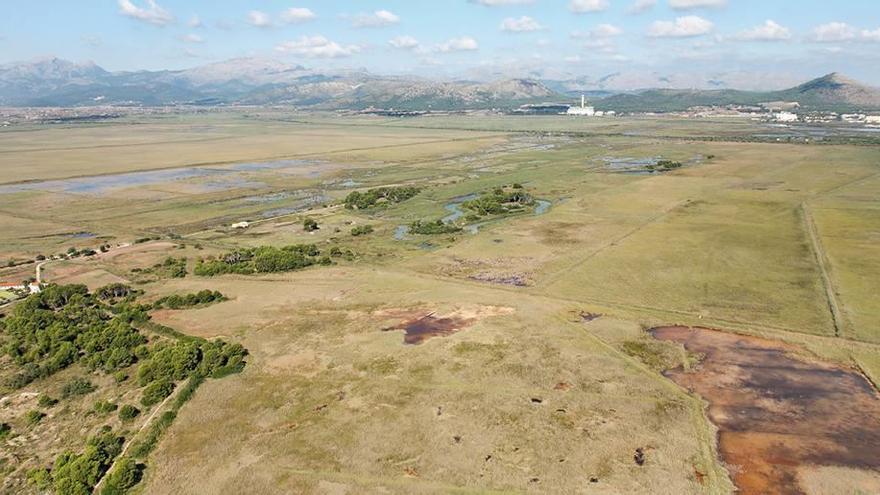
<point x="777" y="413"/>
<point x="421" y="329"/>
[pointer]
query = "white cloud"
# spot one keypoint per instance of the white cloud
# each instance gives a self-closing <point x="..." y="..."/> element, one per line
<point x="640" y="6"/>
<point x="584" y="6"/>
<point x="501" y="3"/>
<point x="195" y="22"/>
<point x="521" y="25"/>
<point x="153" y="13"/>
<point x="404" y="43"/>
<point x="833" y="32"/>
<point x="871" y="35"/>
<point x="682" y="27"/>
<point x="191" y="38"/>
<point x="90" y="40"/>
<point x="259" y="19"/>
<point x="296" y="15"/>
<point x="694" y="4"/>
<point x="769" y="31"/>
<point x="606" y="31"/>
<point x="461" y="44"/>
<point x="378" y="18"/>
<point x="317" y="47"/>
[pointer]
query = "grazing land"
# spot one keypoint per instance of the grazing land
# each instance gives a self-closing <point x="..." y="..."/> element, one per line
<point x="433" y="304"/>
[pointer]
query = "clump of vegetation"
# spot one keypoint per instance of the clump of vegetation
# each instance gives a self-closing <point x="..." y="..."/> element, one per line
<point x="664" y="166"/>
<point x="425" y="227"/>
<point x="128" y="412"/>
<point x="361" y="230"/>
<point x="126" y="474"/>
<point x="78" y="473"/>
<point x="382" y="196"/>
<point x="46" y="401"/>
<point x="62" y="325"/>
<point x="33" y="417"/>
<point x="170" y="268"/>
<point x="5" y="431"/>
<point x="116" y="291"/>
<point x="76" y="387"/>
<point x="104" y="407"/>
<point x="500" y="201"/>
<point x="201" y="298"/>
<point x="266" y="259"/>
<point x="310" y="225"/>
<point x="656" y="355"/>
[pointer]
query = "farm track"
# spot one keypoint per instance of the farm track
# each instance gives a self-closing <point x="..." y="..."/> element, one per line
<point x="823" y="264"/>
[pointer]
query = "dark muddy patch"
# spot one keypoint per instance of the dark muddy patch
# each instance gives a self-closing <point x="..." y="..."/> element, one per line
<point x="512" y="280"/>
<point x="777" y="413"/>
<point x="421" y="329"/>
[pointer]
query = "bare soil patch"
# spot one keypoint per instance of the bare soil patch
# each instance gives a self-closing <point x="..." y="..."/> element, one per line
<point x="777" y="413"/>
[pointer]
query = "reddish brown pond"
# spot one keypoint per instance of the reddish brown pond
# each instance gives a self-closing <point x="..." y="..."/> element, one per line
<point x="776" y="413"/>
<point x="421" y="329"/>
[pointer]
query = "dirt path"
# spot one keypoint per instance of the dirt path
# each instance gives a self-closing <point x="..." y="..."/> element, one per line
<point x="160" y="408"/>
<point x="822" y="262"/>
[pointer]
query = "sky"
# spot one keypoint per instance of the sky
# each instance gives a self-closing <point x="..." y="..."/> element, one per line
<point x="748" y="44"/>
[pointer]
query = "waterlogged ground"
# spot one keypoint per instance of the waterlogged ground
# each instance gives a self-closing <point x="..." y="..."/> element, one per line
<point x="781" y="418"/>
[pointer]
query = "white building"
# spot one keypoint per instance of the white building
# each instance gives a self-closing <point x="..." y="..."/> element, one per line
<point x="872" y="119"/>
<point x="582" y="110"/>
<point x="785" y="117"/>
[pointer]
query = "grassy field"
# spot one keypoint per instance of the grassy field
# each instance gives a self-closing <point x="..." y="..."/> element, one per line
<point x="526" y="396"/>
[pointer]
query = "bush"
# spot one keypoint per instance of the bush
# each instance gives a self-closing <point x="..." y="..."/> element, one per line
<point x="310" y="225"/>
<point x="362" y="230"/>
<point x="128" y="412"/>
<point x="46" y="401"/>
<point x="5" y="431"/>
<point x="156" y="392"/>
<point x="432" y="228"/>
<point x="104" y="407"/>
<point x="77" y="386"/>
<point x="126" y="474"/>
<point x="77" y="474"/>
<point x="33" y="417"/>
<point x="201" y="298"/>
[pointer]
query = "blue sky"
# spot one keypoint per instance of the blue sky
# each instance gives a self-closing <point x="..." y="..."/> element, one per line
<point x="741" y="43"/>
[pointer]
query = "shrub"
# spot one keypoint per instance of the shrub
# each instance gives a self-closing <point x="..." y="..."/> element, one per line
<point x="362" y="230"/>
<point x="46" y="401"/>
<point x="126" y="474"/>
<point x="156" y="392"/>
<point x="77" y="386"/>
<point x="5" y="431"/>
<point x="104" y="407"/>
<point x="33" y="417"/>
<point x="310" y="225"/>
<point x="431" y="228"/>
<point x="128" y="412"/>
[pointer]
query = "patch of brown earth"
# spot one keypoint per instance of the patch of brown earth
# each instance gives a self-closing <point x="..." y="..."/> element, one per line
<point x="421" y="329"/>
<point x="418" y="329"/>
<point x="778" y="414"/>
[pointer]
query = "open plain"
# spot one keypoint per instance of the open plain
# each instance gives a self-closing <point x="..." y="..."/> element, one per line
<point x="503" y="351"/>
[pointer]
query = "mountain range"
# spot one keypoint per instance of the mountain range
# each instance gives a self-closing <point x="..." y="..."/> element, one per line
<point x="57" y="82"/>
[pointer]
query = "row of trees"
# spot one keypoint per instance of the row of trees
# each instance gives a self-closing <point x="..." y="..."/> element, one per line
<point x="201" y="298"/>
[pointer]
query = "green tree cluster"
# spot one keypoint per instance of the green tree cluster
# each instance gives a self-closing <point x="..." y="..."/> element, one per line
<point x="381" y="196"/>
<point x="201" y="298"/>
<point x="426" y="227"/>
<point x="62" y="325"/>
<point x="500" y="201"/>
<point x="264" y="259"/>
